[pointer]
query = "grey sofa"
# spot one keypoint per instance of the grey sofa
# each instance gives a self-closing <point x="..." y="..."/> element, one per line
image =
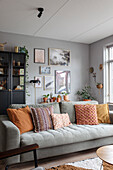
<point x="55" y="142"/>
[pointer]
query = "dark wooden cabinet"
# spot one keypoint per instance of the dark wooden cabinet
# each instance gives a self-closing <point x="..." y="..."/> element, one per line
<point x="12" y="79"/>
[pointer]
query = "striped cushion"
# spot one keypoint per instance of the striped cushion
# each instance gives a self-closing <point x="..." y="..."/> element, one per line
<point x="86" y="114"/>
<point x="41" y="118"/>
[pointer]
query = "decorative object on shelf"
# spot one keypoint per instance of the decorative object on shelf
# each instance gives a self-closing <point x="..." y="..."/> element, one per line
<point x="39" y="81"/>
<point x="65" y="96"/>
<point x="59" y="57"/>
<point x="2" y="46"/>
<point x="45" y="98"/>
<point x="21" y="80"/>
<point x="18" y="88"/>
<point x="101" y="67"/>
<point x="1" y="71"/>
<point x="58" y="98"/>
<point x="85" y="94"/>
<point x="21" y="71"/>
<point x="39" y="56"/>
<point x="62" y="82"/>
<point x="34" y="82"/>
<point x="45" y="70"/>
<point x="2" y="83"/>
<point x="13" y="62"/>
<point x="48" y="82"/>
<point x="91" y="69"/>
<point x="18" y="63"/>
<point x="16" y="49"/>
<point x="54" y="98"/>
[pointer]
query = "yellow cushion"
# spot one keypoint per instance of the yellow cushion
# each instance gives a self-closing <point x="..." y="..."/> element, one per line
<point x="103" y="113"/>
<point x="21" y="118"/>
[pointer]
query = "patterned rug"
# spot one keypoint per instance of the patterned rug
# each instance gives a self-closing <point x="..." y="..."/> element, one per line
<point x="88" y="164"/>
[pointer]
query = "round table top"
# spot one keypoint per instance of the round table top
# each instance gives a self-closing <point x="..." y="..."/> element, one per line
<point x="106" y="153"/>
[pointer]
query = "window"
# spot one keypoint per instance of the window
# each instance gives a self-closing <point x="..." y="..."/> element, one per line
<point x="108" y="75"/>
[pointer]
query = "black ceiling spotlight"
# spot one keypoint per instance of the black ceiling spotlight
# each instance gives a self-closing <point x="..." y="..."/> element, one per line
<point x="40" y="10"/>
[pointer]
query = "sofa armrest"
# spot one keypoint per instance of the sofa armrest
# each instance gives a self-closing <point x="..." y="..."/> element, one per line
<point x="111" y="116"/>
<point x="9" y="138"/>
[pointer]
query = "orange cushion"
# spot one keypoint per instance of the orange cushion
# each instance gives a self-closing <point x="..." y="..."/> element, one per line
<point x="21" y="118"/>
<point x="60" y="120"/>
<point x="103" y="113"/>
<point x="86" y="114"/>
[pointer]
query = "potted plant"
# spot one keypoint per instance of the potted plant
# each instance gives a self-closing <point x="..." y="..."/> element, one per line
<point x="85" y="93"/>
<point x="99" y="85"/>
<point x="58" y="98"/>
<point x="54" y="98"/>
<point x="65" y="96"/>
<point x="45" y="97"/>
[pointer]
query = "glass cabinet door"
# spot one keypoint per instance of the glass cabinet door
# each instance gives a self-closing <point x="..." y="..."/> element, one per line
<point x="4" y="71"/>
<point x="18" y="71"/>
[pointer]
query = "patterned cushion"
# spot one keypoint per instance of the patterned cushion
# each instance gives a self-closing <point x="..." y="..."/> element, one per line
<point x="60" y="120"/>
<point x="103" y="113"/>
<point x="86" y="114"/>
<point x="41" y="118"/>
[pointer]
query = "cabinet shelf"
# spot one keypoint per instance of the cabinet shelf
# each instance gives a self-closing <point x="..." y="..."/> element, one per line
<point x="17" y="75"/>
<point x="18" y="67"/>
<point x="3" y="75"/>
<point x="3" y="66"/>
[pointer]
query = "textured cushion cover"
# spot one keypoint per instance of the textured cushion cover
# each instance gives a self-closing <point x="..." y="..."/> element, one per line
<point x="21" y="118"/>
<point x="41" y="118"/>
<point x="60" y="120"/>
<point x="86" y="114"/>
<point x="103" y="113"/>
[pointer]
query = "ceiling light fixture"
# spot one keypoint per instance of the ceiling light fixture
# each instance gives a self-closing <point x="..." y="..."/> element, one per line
<point x="40" y="10"/>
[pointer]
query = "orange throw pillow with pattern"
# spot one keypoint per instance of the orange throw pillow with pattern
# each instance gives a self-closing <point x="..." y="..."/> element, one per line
<point x="86" y="114"/>
<point x="21" y="118"/>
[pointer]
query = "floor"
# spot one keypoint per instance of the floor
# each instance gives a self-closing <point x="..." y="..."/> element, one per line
<point x="55" y="161"/>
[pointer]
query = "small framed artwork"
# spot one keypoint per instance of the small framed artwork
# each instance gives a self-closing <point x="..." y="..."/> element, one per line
<point x="21" y="71"/>
<point x="59" y="57"/>
<point x="39" y="82"/>
<point x="45" y="70"/>
<point x="48" y="82"/>
<point x="39" y="56"/>
<point x="21" y="80"/>
<point x="62" y="82"/>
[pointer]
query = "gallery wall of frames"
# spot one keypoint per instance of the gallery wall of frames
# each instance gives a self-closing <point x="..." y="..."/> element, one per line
<point x="60" y="80"/>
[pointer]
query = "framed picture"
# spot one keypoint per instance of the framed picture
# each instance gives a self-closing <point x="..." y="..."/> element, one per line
<point x="21" y="71"/>
<point x="62" y="82"/>
<point x="59" y="57"/>
<point x="48" y="82"/>
<point x="39" y="83"/>
<point x="45" y="70"/>
<point x="39" y="56"/>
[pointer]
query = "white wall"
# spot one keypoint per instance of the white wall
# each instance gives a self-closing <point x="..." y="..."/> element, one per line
<point x="79" y="61"/>
<point x="96" y="58"/>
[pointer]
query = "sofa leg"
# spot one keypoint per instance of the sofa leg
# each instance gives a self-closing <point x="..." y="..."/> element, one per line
<point x="35" y="158"/>
<point x="6" y="168"/>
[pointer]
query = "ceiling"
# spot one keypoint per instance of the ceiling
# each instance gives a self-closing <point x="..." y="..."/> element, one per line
<point x="84" y="21"/>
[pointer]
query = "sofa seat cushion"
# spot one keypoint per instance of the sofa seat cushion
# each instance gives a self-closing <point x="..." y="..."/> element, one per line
<point x="67" y="135"/>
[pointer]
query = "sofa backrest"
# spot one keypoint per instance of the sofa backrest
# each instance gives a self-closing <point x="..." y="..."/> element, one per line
<point x="69" y="107"/>
<point x="56" y="108"/>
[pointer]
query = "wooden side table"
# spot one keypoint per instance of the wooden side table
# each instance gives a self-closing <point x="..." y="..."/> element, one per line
<point x="105" y="153"/>
<point x="17" y="151"/>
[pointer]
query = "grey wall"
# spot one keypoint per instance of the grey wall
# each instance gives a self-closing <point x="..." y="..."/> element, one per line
<point x="96" y="58"/>
<point x="79" y="61"/>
